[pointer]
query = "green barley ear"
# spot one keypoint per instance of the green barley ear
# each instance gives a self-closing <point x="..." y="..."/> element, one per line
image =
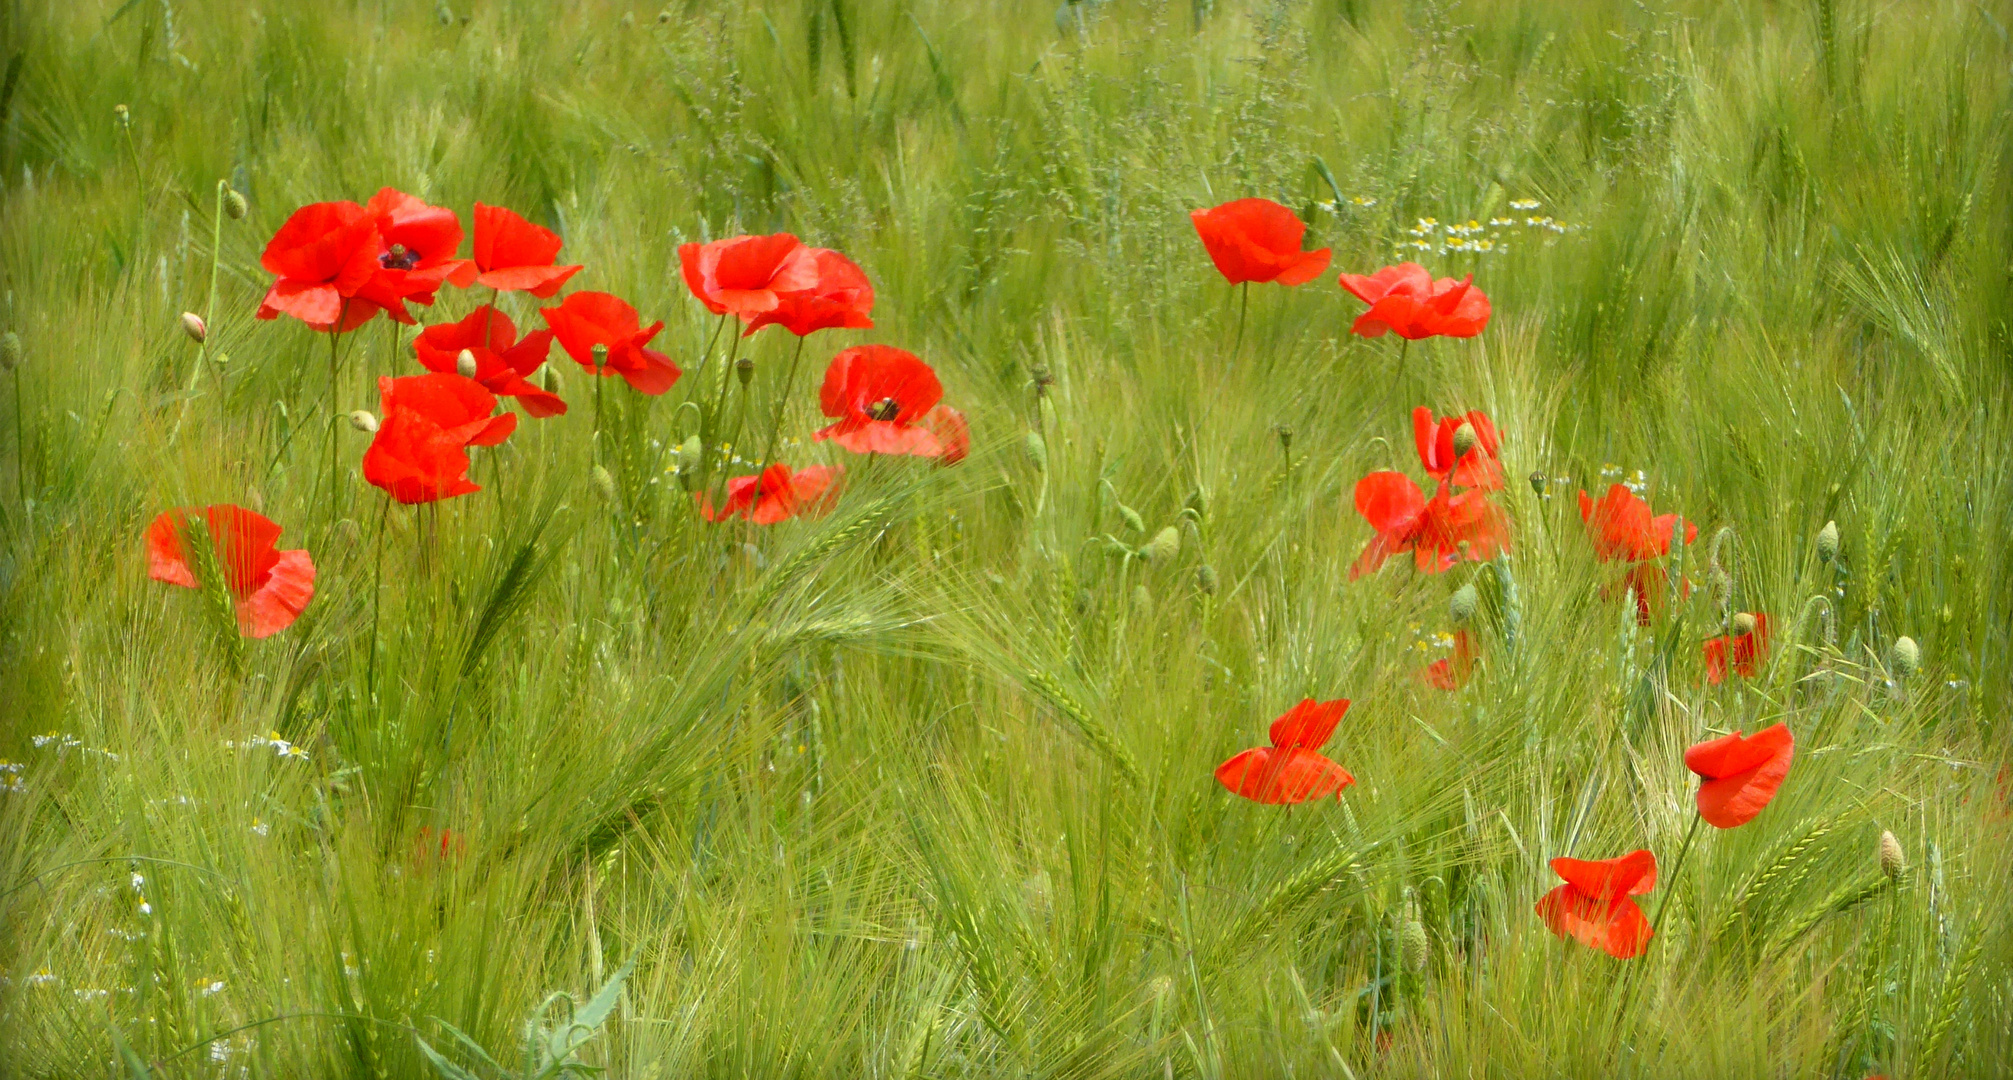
<point x="234" y="205"/>
<point x="1037" y="451"/>
<point x="1512" y="604"/>
<point x="10" y="351"/>
<point x="1462" y="607"/>
<point x="1464" y="440"/>
<point x="1165" y="546"/>
<point x="1905" y="658"/>
<point x="192" y="325"/>
<point x="1722" y="578"/>
<point x="1827" y="542"/>
<point x="605" y="484"/>
<point x="363" y="421"/>
<point x="1892" y="862"/>
<point x="1142" y="601"/>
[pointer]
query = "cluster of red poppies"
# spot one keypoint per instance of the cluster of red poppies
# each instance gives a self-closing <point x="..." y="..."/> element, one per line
<point x="1259" y="240"/>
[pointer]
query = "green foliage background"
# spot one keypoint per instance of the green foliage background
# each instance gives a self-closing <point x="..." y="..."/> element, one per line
<point x="923" y="788"/>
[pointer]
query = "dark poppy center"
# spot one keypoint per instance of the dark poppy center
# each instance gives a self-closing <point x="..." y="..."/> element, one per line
<point x="885" y="409"/>
<point x="399" y="257"/>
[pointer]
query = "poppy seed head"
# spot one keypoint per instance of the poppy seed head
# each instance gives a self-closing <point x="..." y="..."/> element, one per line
<point x="10" y="351"/>
<point x="1538" y="484"/>
<point x="600" y="353"/>
<point x="885" y="409"/>
<point x="1892" y="862"/>
<point x="234" y="205"/>
<point x="1464" y="440"/>
<point x="464" y="362"/>
<point x="744" y="370"/>
<point x="1285" y="438"/>
<point x="363" y="421"/>
<point x="1743" y="624"/>
<point x="1827" y="542"/>
<point x="124" y="115"/>
<point x="398" y="257"/>
<point x="1462" y="607"/>
<point x="1906" y="657"/>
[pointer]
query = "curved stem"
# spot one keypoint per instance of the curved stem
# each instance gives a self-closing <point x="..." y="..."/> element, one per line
<point x="782" y="402"/>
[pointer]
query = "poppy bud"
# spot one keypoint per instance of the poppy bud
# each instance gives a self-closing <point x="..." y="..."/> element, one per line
<point x="1743" y="624"/>
<point x="1205" y="579"/>
<point x="192" y="325"/>
<point x="604" y="483"/>
<point x="744" y="370"/>
<point x="1464" y="440"/>
<point x="1198" y="501"/>
<point x="1037" y="451"/>
<point x="1906" y="657"/>
<point x="1892" y="862"/>
<point x="1164" y="547"/>
<point x="363" y="421"/>
<point x="551" y="379"/>
<point x="1412" y="943"/>
<point x="691" y="462"/>
<point x="1131" y="518"/>
<point x="1827" y="542"/>
<point x="1142" y="601"/>
<point x="1191" y="533"/>
<point x="1462" y="606"/>
<point x="124" y="115"/>
<point x="10" y="351"/>
<point x="234" y="204"/>
<point x="464" y="363"/>
<point x="600" y="358"/>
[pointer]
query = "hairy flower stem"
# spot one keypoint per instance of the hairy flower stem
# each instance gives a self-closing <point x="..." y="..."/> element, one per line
<point x="712" y="419"/>
<point x="1690" y="835"/>
<point x="209" y="310"/>
<point x="1243" y="305"/>
<point x="376" y="593"/>
<point x="597" y="409"/>
<point x="782" y="402"/>
<point x="740" y="415"/>
<point x="335" y="408"/>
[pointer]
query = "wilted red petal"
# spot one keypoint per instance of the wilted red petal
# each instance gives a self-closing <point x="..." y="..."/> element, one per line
<point x="1308" y="724"/>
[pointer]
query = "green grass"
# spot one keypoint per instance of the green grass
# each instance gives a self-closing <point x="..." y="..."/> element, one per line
<point x="923" y="788"/>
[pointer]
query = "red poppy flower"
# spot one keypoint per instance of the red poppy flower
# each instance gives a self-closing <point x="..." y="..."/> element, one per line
<point x="1650" y="585"/>
<point x="587" y="319"/>
<point x="1291" y="770"/>
<point x="1432" y="531"/>
<point x="1406" y="300"/>
<point x="777" y="495"/>
<point x="1745" y="650"/>
<point x="1478" y="468"/>
<point x="880" y="396"/>
<point x="419" y="454"/>
<point x="952" y="433"/>
<point x="1258" y="240"/>
<point x="324" y="255"/>
<point x="746" y="274"/>
<point x="1453" y="672"/>
<point x="417" y="247"/>
<point x="502" y="365"/>
<point x="431" y="845"/>
<point x="512" y="254"/>
<point x="1622" y="528"/>
<point x="271" y="588"/>
<point x="1741" y="775"/>
<point x="841" y="297"/>
<point x="1593" y="906"/>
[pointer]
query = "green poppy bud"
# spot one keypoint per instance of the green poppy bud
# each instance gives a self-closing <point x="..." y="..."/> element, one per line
<point x="1906" y="657"/>
<point x="1037" y="451"/>
<point x="551" y="378"/>
<point x="1743" y="624"/>
<point x="1892" y="862"/>
<point x="10" y="351"/>
<point x="124" y="115"/>
<point x="192" y="325"/>
<point x="1191" y="533"/>
<point x="363" y="421"/>
<point x="1827" y="542"/>
<point x="1131" y="518"/>
<point x="1462" y="607"/>
<point x="1205" y="579"/>
<point x="1413" y="944"/>
<point x="1464" y="440"/>
<point x="1198" y="501"/>
<point x="234" y="205"/>
<point x="1142" y="601"/>
<point x="691" y="463"/>
<point x="605" y="484"/>
<point x="1164" y="547"/>
<point x="464" y="362"/>
<point x="744" y="370"/>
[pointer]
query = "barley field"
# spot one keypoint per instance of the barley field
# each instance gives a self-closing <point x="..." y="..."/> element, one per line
<point x="551" y="742"/>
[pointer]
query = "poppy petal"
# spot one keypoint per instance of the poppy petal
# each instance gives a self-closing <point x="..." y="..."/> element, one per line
<point x="1308" y="724"/>
<point x="285" y="594"/>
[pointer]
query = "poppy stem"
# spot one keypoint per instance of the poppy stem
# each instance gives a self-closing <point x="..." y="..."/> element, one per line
<point x="782" y="402"/>
<point x="335" y="409"/>
<point x="597" y="408"/>
<point x="209" y="309"/>
<point x="1690" y="835"/>
<point x="712" y="419"/>
<point x="376" y="592"/>
<point x="1243" y="305"/>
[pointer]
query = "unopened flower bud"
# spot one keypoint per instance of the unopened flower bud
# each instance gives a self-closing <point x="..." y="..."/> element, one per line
<point x="604" y="483"/>
<point x="192" y="325"/>
<point x="234" y="205"/>
<point x="10" y="351"/>
<point x="1191" y="533"/>
<point x="744" y="370"/>
<point x="1743" y="624"/>
<point x="1892" y="862"/>
<point x="551" y="378"/>
<point x="1142" y="601"/>
<point x="1037" y="451"/>
<point x="1464" y="440"/>
<point x="1827" y="541"/>
<point x="363" y="421"/>
<point x="691" y="462"/>
<point x="464" y="362"/>
<point x="1198" y="501"/>
<point x="124" y="115"/>
<point x="600" y="358"/>
<point x="1462" y="607"/>
<point x="1412" y="943"/>
<point x="1131" y="518"/>
<point x="1906" y="657"/>
<point x="1164" y="547"/>
<point x="1205" y="579"/>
